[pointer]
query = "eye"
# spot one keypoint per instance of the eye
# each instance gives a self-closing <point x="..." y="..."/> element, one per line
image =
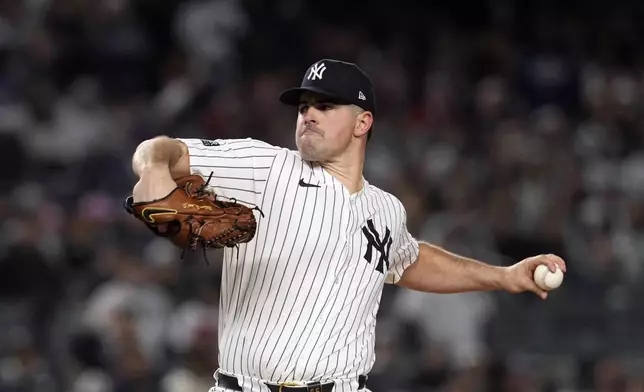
<point x="303" y="108"/>
<point x="324" y="106"/>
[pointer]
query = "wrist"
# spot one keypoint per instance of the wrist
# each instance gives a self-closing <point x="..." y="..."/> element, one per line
<point x="502" y="278"/>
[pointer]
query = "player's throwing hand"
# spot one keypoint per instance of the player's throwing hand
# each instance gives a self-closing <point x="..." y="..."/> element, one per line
<point x="520" y="276"/>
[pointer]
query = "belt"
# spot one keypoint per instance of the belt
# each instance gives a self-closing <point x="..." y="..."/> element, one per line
<point x="230" y="382"/>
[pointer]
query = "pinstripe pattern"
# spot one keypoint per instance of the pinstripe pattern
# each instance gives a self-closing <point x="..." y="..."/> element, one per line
<point x="300" y="301"/>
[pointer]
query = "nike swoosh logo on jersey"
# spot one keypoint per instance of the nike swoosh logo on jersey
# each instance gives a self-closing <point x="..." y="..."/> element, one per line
<point x="307" y="185"/>
<point x="150" y="212"/>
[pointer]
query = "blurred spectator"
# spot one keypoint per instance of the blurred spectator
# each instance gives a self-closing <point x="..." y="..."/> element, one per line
<point x="510" y="130"/>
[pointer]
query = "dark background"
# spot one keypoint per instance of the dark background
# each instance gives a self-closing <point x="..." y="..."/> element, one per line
<point x="506" y="128"/>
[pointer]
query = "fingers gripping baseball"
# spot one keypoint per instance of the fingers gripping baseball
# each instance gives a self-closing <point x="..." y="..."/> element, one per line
<point x="552" y="261"/>
<point x="528" y="275"/>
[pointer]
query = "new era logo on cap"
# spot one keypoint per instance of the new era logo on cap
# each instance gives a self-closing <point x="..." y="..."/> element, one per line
<point x="339" y="80"/>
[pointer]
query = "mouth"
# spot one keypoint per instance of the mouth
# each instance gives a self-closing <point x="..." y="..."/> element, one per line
<point x="309" y="131"/>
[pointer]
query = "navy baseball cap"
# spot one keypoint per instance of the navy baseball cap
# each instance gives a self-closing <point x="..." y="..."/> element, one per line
<point x="343" y="82"/>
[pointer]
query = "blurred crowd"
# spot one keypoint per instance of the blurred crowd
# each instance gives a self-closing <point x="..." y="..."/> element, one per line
<point x="507" y="130"/>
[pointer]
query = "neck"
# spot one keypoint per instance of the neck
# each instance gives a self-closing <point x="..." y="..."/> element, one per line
<point x="347" y="171"/>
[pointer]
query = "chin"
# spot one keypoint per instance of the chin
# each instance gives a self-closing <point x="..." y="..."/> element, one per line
<point x="307" y="155"/>
<point x="308" y="152"/>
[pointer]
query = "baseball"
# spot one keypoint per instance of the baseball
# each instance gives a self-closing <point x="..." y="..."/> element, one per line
<point x="548" y="280"/>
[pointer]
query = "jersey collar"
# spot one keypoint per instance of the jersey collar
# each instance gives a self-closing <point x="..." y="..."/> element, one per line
<point x="326" y="179"/>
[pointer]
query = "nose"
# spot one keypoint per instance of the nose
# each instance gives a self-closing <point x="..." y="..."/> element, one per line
<point x="309" y="116"/>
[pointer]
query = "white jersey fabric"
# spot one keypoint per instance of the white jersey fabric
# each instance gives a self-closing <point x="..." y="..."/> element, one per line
<point x="299" y="301"/>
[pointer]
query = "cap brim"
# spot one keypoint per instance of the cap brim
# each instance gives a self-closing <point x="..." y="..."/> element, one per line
<point x="292" y="96"/>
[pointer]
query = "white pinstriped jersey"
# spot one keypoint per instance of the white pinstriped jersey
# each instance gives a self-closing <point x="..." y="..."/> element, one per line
<point x="299" y="302"/>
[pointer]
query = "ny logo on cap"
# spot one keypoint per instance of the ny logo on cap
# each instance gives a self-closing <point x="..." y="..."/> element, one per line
<point x="317" y="71"/>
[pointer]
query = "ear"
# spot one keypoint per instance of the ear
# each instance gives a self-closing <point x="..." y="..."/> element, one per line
<point x="364" y="121"/>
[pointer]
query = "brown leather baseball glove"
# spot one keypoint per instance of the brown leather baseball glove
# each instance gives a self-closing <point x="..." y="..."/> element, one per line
<point x="191" y="216"/>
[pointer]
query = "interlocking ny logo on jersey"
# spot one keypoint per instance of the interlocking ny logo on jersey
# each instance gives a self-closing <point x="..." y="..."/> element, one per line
<point x="316" y="72"/>
<point x="373" y="241"/>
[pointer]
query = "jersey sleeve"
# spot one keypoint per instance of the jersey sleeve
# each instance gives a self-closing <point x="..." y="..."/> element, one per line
<point x="405" y="252"/>
<point x="238" y="168"/>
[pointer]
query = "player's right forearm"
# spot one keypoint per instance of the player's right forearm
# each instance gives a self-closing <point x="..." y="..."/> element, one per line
<point x="161" y="152"/>
<point x="440" y="271"/>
